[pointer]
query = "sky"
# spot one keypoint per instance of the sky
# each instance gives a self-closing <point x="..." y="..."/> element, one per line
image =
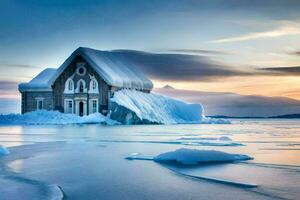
<point x="244" y="47"/>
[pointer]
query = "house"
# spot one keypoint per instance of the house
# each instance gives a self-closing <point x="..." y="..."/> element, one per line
<point x="83" y="84"/>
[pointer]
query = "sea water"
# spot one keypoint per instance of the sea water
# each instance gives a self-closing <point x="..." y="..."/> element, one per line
<point x="89" y="161"/>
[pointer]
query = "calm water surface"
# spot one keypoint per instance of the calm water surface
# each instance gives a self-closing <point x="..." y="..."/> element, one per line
<point x="88" y="161"/>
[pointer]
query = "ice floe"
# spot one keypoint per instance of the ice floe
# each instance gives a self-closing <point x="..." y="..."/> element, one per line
<point x="193" y="157"/>
<point x="186" y="156"/>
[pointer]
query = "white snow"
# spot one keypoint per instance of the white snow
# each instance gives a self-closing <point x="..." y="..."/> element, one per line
<point x="113" y="67"/>
<point x="54" y="117"/>
<point x="3" y="151"/>
<point x="41" y="82"/>
<point x="194" y="157"/>
<point x="157" y="108"/>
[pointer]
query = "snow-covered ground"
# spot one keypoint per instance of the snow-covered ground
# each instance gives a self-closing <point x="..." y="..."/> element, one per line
<point x="53" y="117"/>
<point x="194" y="161"/>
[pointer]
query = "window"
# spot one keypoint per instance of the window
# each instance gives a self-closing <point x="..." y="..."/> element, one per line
<point x="39" y="104"/>
<point x="80" y="87"/>
<point x="69" y="86"/>
<point x="94" y="106"/>
<point x="81" y="70"/>
<point x="68" y="106"/>
<point x="93" y="86"/>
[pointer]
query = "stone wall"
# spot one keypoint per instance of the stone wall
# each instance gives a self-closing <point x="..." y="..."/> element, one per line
<point x="29" y="101"/>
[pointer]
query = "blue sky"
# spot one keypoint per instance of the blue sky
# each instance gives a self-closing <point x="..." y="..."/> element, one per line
<point x="244" y="35"/>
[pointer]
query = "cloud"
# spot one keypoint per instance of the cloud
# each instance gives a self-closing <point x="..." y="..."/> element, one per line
<point x="180" y="67"/>
<point x="286" y="28"/>
<point x="232" y="104"/>
<point x="295" y="53"/>
<point x="8" y="85"/>
<point x="17" y="65"/>
<point x="288" y="71"/>
<point x="197" y="51"/>
<point x="8" y="90"/>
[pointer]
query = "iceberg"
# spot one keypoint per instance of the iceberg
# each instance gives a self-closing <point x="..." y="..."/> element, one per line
<point x="135" y="107"/>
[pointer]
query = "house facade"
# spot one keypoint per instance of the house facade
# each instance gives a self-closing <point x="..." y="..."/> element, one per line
<point x="83" y="84"/>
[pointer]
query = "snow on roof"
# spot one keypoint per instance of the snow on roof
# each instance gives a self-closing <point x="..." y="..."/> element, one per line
<point x="113" y="67"/>
<point x="41" y="82"/>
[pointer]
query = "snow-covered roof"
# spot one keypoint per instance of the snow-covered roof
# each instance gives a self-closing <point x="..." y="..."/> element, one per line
<point x="39" y="83"/>
<point x="114" y="68"/>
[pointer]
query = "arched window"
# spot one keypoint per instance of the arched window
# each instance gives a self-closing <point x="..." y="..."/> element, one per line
<point x="81" y="86"/>
<point x="93" y="86"/>
<point x="69" y="86"/>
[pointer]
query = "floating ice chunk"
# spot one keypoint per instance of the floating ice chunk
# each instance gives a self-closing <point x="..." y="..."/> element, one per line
<point x="208" y="120"/>
<point x="54" y="117"/>
<point x="3" y="151"/>
<point x="194" y="157"/>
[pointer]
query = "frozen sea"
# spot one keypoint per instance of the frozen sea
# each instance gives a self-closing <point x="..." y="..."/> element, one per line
<point x="89" y="161"/>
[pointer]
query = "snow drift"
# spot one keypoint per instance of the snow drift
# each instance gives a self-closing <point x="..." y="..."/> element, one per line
<point x="54" y="117"/>
<point x="134" y="107"/>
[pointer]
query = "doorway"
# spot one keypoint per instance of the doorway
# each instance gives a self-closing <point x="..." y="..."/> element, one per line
<point x="80" y="108"/>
